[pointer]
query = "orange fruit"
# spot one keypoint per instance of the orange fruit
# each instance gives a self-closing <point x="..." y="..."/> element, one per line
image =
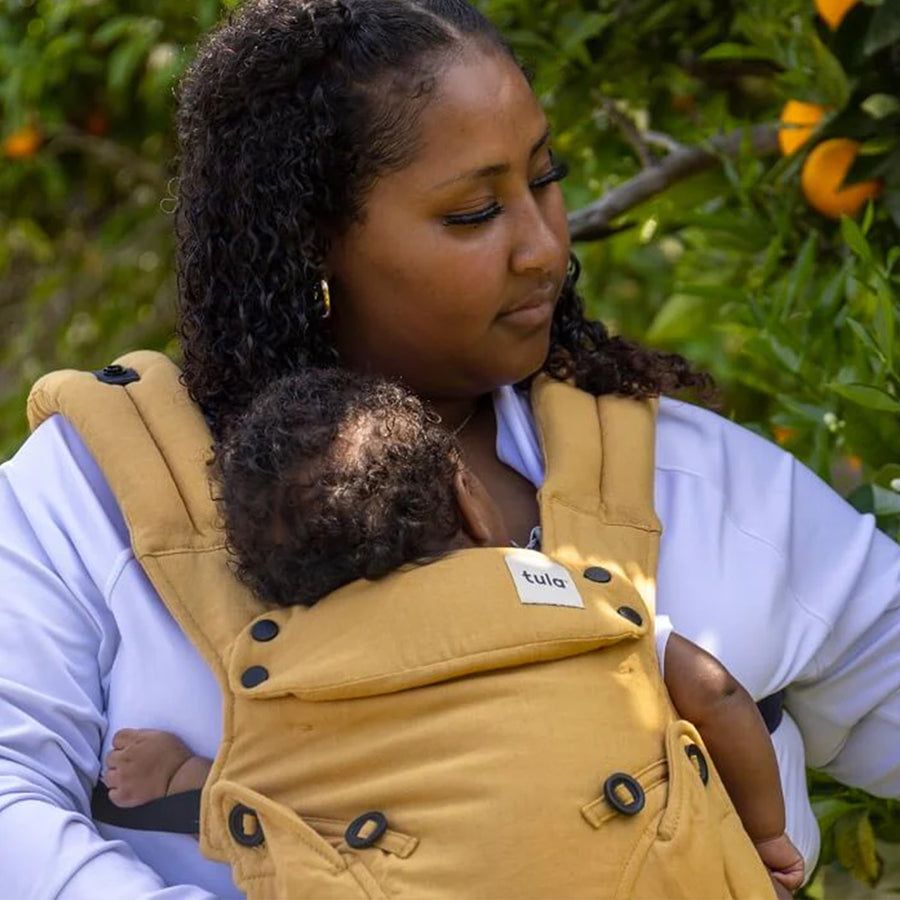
<point x="96" y="123"/>
<point x="683" y="103"/>
<point x="823" y="174"/>
<point x="833" y="11"/>
<point x="23" y="143"/>
<point x="784" y="434"/>
<point x="800" y="119"/>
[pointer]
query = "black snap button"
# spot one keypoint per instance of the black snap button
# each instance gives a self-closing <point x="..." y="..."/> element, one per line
<point x="626" y="612"/>
<point x="620" y="780"/>
<point x="116" y="374"/>
<point x="253" y="676"/>
<point x="238" y="818"/>
<point x="264" y="630"/>
<point x="598" y="574"/>
<point x="695" y="755"/>
<point x="359" y="836"/>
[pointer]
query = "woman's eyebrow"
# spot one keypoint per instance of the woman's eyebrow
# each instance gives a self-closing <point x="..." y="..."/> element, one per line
<point x="497" y="169"/>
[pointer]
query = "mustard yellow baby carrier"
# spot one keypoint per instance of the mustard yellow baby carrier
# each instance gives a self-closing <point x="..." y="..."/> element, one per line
<point x="492" y="725"/>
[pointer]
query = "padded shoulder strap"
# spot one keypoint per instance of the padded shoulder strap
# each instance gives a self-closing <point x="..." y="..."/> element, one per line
<point x="150" y="441"/>
<point x="598" y="488"/>
<point x="153" y="445"/>
<point x="599" y="452"/>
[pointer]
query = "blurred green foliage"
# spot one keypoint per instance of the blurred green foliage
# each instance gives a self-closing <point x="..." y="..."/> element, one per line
<point x="796" y="315"/>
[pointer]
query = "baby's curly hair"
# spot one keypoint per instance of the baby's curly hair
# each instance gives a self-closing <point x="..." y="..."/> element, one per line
<point x="332" y="476"/>
<point x="288" y="116"/>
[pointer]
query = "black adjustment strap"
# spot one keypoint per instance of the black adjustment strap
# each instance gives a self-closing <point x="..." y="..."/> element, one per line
<point x="177" y="813"/>
<point x="771" y="708"/>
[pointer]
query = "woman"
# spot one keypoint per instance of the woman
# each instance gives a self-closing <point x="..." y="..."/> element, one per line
<point x="370" y="183"/>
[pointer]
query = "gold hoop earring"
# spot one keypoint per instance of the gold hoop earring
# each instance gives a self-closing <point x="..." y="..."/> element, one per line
<point x="326" y="298"/>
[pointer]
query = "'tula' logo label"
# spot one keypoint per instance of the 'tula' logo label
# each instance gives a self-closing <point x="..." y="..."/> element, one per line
<point x="540" y="580"/>
<point x="548" y="580"/>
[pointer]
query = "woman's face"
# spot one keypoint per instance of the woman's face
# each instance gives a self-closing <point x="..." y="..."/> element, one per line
<point x="451" y="278"/>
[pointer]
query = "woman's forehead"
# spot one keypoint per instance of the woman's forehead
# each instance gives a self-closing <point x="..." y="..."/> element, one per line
<point x="482" y="113"/>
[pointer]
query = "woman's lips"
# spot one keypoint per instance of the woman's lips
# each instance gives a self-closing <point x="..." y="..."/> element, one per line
<point x="534" y="310"/>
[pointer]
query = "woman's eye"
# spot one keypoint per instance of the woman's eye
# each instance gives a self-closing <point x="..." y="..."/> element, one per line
<point x="479" y="217"/>
<point x="558" y="171"/>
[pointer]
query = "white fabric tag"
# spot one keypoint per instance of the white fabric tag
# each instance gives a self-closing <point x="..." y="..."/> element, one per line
<point x="540" y="580"/>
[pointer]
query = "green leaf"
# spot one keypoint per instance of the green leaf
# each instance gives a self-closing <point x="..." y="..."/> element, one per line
<point x="865" y="395"/>
<point x="730" y="50"/>
<point x="721" y="293"/>
<point x="887" y="475"/>
<point x="576" y="28"/>
<point x="680" y="317"/>
<point x="854" y="844"/>
<point x="830" y="73"/>
<point x="891" y="201"/>
<point x="885" y="324"/>
<point x="806" y="411"/>
<point x="833" y="293"/>
<point x="884" y="29"/>
<point x="864" y="337"/>
<point x="884" y="143"/>
<point x="800" y="274"/>
<point x="124" y="62"/>
<point x="829" y="809"/>
<point x="879" y="106"/>
<point x="112" y="30"/>
<point x="784" y="353"/>
<point x="871" y="498"/>
<point x="893" y="257"/>
<point x="855" y="239"/>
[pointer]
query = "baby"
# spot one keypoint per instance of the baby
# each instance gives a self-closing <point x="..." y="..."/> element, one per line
<point x="331" y="477"/>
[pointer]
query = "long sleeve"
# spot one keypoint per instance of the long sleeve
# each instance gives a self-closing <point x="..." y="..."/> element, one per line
<point x="776" y="575"/>
<point x="62" y="546"/>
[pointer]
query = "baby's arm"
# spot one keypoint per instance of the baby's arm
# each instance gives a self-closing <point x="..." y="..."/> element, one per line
<point x="145" y="765"/>
<point x="705" y="693"/>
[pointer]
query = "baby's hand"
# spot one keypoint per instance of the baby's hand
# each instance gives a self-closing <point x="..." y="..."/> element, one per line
<point x="141" y="765"/>
<point x="784" y="862"/>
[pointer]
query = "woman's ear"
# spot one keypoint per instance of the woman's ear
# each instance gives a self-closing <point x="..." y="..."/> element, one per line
<point x="482" y="520"/>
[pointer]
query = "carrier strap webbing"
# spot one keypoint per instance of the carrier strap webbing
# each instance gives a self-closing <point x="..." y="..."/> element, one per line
<point x="177" y="813"/>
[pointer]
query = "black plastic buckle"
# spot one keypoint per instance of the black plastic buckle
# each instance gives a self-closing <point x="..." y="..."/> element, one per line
<point x="236" y="826"/>
<point x="620" y="779"/>
<point x="695" y="755"/>
<point x="355" y="839"/>
<point x="116" y="374"/>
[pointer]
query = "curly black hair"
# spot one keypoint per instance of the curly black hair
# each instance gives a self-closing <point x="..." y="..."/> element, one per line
<point x="332" y="476"/>
<point x="289" y="114"/>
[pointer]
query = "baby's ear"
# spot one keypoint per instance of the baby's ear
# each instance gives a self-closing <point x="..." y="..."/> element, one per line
<point x="481" y="517"/>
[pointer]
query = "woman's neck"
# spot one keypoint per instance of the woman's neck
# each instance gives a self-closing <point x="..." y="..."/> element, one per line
<point x="457" y="415"/>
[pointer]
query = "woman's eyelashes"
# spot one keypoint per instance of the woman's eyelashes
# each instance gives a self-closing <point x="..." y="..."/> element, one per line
<point x="557" y="172"/>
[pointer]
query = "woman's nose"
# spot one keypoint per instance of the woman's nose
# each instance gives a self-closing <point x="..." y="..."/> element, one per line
<point x="539" y="244"/>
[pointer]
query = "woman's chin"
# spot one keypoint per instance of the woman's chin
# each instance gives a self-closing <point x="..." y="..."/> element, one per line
<point x="530" y="362"/>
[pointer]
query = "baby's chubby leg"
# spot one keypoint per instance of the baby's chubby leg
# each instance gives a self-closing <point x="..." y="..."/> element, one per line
<point x="145" y="764"/>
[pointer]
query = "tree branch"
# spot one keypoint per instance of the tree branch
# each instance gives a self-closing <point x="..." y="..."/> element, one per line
<point x="593" y="221"/>
<point x="634" y="137"/>
<point x="110" y="154"/>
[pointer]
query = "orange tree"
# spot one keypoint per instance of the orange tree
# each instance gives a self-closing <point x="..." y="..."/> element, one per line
<point x="85" y="194"/>
<point x="699" y="235"/>
<point x="695" y="231"/>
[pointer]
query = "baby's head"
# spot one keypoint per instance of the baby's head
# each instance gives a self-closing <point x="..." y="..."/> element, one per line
<point x="333" y="476"/>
